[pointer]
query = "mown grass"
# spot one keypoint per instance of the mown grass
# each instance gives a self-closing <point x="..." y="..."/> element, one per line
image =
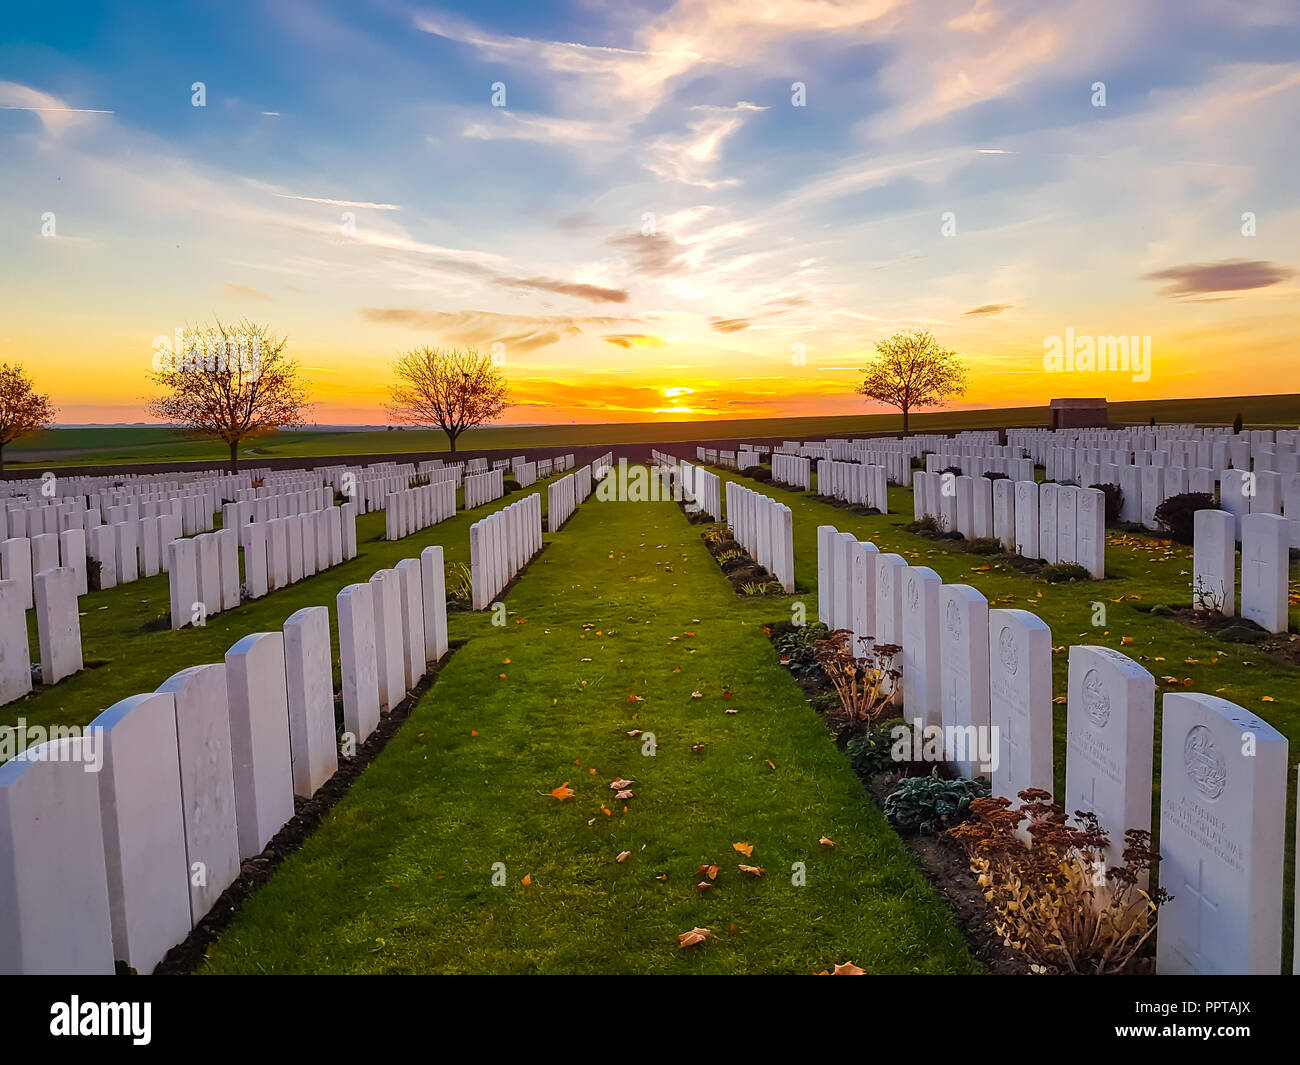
<point x="130" y="444"/>
<point x="622" y="618"/>
<point x="1142" y="571"/>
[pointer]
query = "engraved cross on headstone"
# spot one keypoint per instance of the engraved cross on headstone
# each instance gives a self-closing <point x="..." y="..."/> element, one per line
<point x="1201" y="900"/>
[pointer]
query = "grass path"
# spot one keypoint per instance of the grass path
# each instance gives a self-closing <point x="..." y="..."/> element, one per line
<point x="625" y="603"/>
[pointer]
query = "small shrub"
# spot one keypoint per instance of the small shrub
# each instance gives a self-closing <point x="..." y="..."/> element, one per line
<point x="1064" y="572"/>
<point x="869" y="753"/>
<point x="985" y="545"/>
<point x="996" y="475"/>
<point x="1237" y="423"/>
<point x="926" y="525"/>
<point x="864" y="680"/>
<point x="1241" y="632"/>
<point x="954" y="470"/>
<point x="1114" y="500"/>
<point x="759" y="473"/>
<point x="717" y="533"/>
<point x="927" y="804"/>
<point x="459" y="582"/>
<point x="1055" y="901"/>
<point x="796" y="646"/>
<point x="1176" y="516"/>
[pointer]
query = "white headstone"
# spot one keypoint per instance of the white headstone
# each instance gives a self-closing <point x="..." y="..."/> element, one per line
<point x="1020" y="701"/>
<point x="358" y="661"/>
<point x="964" y="675"/>
<point x="53" y="882"/>
<point x="1265" y="547"/>
<point x="1214" y="561"/>
<point x="58" y="624"/>
<point x="1109" y="742"/>
<point x="1222" y="838"/>
<point x="144" y="830"/>
<point x="310" y="685"/>
<point x="433" y="585"/>
<point x="259" y="739"/>
<point x="921" y="676"/>
<point x="390" y="649"/>
<point x="207" y="782"/>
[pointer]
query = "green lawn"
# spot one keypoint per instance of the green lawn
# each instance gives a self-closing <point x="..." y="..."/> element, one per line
<point x="626" y="602"/>
<point x="112" y="445"/>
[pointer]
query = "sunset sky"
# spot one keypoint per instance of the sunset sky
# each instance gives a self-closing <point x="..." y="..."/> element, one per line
<point x="650" y="226"/>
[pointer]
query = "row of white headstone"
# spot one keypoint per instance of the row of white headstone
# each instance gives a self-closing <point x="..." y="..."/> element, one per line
<point x="854" y="482"/>
<point x="413" y="509"/>
<point x="116" y="841"/>
<point x="1265" y="567"/>
<point x="58" y="631"/>
<point x="482" y="488"/>
<point x="792" y="470"/>
<point x="22" y="558"/>
<point x="525" y="473"/>
<point x="764" y="528"/>
<point x="501" y="544"/>
<point x="564" y="496"/>
<point x="1055" y="523"/>
<point x="978" y="672"/>
<point x="701" y="488"/>
<point x="204" y="571"/>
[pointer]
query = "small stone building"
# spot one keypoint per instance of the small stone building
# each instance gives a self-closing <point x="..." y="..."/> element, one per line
<point x="1078" y="413"/>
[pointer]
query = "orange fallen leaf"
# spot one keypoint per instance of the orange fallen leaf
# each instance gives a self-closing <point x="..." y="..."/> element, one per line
<point x="746" y="849"/>
<point x="692" y="938"/>
<point x="623" y="856"/>
<point x="752" y="870"/>
<point x="848" y="969"/>
<point x="605" y="810"/>
<point x="527" y="880"/>
<point x="619" y="784"/>
<point x="1126" y="639"/>
<point x="563" y="792"/>
<point x="711" y="871"/>
<point x="826" y="842"/>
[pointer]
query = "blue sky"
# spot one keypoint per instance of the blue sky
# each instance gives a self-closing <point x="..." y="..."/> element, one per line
<point x="649" y="227"/>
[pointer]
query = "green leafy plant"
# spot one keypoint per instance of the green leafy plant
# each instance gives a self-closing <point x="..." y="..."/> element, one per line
<point x="927" y="804"/>
<point x="984" y="545"/>
<point x="870" y="753"/>
<point x="1176" y="516"/>
<point x="1062" y="572"/>
<point x="1114" y="500"/>
<point x="459" y="582"/>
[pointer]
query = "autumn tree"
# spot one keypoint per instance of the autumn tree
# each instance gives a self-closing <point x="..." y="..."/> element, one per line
<point x="912" y="369"/>
<point x="229" y="382"/>
<point x="23" y="410"/>
<point x="452" y="388"/>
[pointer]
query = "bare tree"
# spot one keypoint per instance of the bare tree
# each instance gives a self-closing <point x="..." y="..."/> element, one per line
<point x="452" y="388"/>
<point x="912" y="369"/>
<point x="231" y="383"/>
<point x="23" y="410"/>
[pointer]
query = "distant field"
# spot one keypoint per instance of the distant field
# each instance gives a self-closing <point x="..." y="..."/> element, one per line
<point x="111" y="446"/>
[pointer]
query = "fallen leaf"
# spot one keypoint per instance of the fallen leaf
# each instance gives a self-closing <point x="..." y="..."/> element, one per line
<point x="746" y="849"/>
<point x="563" y="792"/>
<point x="623" y="856"/>
<point x="692" y="938"/>
<point x="752" y="870"/>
